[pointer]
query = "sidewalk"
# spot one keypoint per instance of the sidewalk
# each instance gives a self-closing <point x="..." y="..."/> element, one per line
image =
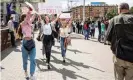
<point x="80" y="64"/>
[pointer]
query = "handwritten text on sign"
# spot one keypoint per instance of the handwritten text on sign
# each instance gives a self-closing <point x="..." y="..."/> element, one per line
<point x="44" y="8"/>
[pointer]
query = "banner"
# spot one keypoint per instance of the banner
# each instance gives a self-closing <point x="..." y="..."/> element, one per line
<point x="30" y="5"/>
<point x="24" y="10"/>
<point x="47" y="8"/>
<point x="65" y="16"/>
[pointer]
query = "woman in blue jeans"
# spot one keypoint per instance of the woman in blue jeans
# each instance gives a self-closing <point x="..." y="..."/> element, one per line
<point x="86" y="31"/>
<point x="63" y="35"/>
<point x="27" y="30"/>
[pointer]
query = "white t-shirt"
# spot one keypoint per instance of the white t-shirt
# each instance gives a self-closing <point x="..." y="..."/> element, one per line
<point x="15" y="17"/>
<point x="10" y="25"/>
<point x="47" y="28"/>
<point x="64" y="32"/>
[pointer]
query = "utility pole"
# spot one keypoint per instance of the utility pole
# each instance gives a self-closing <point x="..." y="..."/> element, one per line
<point x="68" y="5"/>
<point x="83" y="11"/>
<point x="71" y="3"/>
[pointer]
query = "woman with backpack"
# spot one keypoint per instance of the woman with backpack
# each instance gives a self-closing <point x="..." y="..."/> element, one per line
<point x="64" y="37"/>
<point x="28" y="45"/>
<point x="47" y="28"/>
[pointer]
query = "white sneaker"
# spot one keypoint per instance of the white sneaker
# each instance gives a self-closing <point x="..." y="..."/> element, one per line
<point x="26" y="75"/>
<point x="33" y="78"/>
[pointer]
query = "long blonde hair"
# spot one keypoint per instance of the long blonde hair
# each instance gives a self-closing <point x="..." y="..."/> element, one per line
<point x="64" y="24"/>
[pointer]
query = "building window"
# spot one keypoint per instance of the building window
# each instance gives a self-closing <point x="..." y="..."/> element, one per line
<point x="91" y="9"/>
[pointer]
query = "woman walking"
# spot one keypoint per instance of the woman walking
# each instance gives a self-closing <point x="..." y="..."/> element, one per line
<point x="92" y="29"/>
<point x="28" y="45"/>
<point x="102" y="31"/>
<point x="64" y="39"/>
<point x="47" y="28"/>
<point x="86" y="31"/>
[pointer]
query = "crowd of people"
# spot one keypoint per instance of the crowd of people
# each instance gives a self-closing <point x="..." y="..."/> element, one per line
<point x="88" y="28"/>
<point x="54" y="28"/>
<point x="48" y="30"/>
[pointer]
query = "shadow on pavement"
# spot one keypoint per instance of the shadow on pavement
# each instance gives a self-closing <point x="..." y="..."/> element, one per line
<point x="58" y="47"/>
<point x="6" y="52"/>
<point x="53" y="51"/>
<point x="73" y="50"/>
<point x="77" y="38"/>
<point x="77" y="51"/>
<point x="82" y="65"/>
<point x="65" y="73"/>
<point x="40" y="62"/>
<point x="93" y="40"/>
<point x="68" y="73"/>
<point x="73" y="64"/>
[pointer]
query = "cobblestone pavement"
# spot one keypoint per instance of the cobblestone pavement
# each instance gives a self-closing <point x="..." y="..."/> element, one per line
<point x="86" y="60"/>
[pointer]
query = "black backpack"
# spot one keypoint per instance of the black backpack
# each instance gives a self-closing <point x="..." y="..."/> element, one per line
<point x="124" y="41"/>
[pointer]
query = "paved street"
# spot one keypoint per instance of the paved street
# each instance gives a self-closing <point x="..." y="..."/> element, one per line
<point x="86" y="60"/>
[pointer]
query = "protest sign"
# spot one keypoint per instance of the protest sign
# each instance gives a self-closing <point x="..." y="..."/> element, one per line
<point x="24" y="10"/>
<point x="47" y="8"/>
<point x="65" y="16"/>
<point x="29" y="5"/>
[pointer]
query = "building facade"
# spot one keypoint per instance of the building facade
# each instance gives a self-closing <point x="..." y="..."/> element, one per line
<point x="92" y="11"/>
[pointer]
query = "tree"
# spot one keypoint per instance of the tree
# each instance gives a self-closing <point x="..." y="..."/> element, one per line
<point x="111" y="14"/>
<point x="131" y="9"/>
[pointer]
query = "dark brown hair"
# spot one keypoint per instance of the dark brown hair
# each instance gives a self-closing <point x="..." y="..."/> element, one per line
<point x="11" y="18"/>
<point x="124" y="6"/>
<point x="22" y="17"/>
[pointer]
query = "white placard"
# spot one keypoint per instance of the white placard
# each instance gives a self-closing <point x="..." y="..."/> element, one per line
<point x="47" y="8"/>
<point x="25" y="10"/>
<point x="65" y="16"/>
<point x="30" y="5"/>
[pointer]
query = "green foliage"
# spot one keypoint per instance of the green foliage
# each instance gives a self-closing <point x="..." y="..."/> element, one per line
<point x="131" y="9"/>
<point x="112" y="13"/>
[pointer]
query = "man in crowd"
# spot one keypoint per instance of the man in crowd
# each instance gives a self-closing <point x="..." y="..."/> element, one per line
<point x="15" y="16"/>
<point x="99" y="29"/>
<point x="11" y="31"/>
<point x="120" y="34"/>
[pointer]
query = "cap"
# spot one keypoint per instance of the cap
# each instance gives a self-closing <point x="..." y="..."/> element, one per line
<point x="124" y="6"/>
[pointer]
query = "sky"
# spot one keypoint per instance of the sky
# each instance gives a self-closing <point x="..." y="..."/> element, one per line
<point x="80" y="2"/>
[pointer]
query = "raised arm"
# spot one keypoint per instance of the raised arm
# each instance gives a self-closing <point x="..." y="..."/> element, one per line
<point x="10" y="4"/>
<point x="57" y="18"/>
<point x="32" y="18"/>
<point x="9" y="8"/>
<point x="70" y="23"/>
<point x="39" y="18"/>
<point x="27" y="19"/>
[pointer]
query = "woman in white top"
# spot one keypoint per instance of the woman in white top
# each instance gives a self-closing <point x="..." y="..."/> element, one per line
<point x="47" y="27"/>
<point x="64" y="30"/>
